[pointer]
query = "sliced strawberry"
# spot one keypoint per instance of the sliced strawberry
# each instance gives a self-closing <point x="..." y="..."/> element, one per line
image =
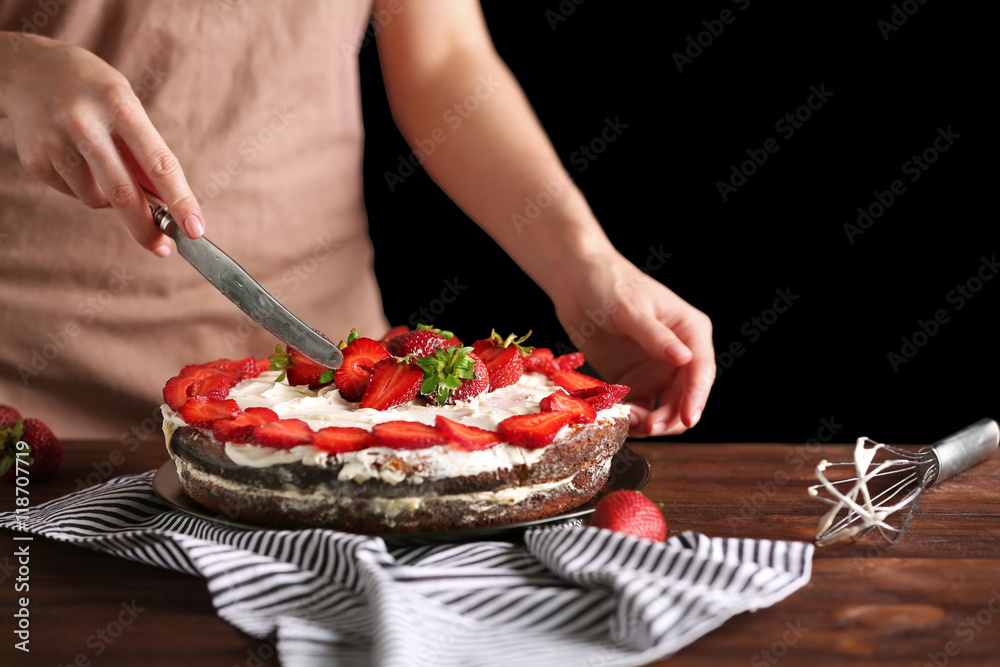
<point x="453" y="374"/>
<point x="393" y="382"/>
<point x="568" y="362"/>
<point x="533" y="430"/>
<point x="602" y="396"/>
<point x="283" y="434"/>
<point x="214" y="386"/>
<point x="539" y="361"/>
<point x="581" y="411"/>
<point x="469" y="438"/>
<point x="341" y="439"/>
<point x="354" y="375"/>
<point x="239" y="428"/>
<point x="504" y="358"/>
<point x="175" y="391"/>
<point x="408" y="435"/>
<point x="247" y="367"/>
<point x="201" y="371"/>
<point x="420" y="342"/>
<point x="572" y="380"/>
<point x="203" y="412"/>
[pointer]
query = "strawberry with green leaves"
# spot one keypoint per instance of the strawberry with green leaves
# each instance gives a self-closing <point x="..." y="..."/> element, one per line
<point x="299" y="369"/>
<point x="453" y="374"/>
<point x="504" y="358"/>
<point x="27" y="445"/>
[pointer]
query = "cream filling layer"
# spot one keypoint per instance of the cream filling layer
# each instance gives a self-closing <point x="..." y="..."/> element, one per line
<point x="390" y="507"/>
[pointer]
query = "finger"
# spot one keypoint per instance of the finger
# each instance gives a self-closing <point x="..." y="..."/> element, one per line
<point x="74" y="172"/>
<point x="124" y="194"/>
<point x="159" y="170"/>
<point x="660" y="342"/>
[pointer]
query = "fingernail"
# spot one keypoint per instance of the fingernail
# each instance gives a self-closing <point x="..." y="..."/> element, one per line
<point x="658" y="428"/>
<point x="678" y="352"/>
<point x="193" y="226"/>
<point x="161" y="250"/>
<point x="695" y="416"/>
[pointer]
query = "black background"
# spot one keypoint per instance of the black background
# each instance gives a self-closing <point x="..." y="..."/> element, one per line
<point x="825" y="360"/>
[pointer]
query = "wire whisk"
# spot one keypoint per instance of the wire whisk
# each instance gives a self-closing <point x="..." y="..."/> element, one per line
<point x="888" y="481"/>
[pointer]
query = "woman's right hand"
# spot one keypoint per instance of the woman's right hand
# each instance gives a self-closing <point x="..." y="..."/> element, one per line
<point x="80" y="128"/>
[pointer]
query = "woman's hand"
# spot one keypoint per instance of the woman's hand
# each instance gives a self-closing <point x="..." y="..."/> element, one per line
<point x="636" y="332"/>
<point x="80" y="128"/>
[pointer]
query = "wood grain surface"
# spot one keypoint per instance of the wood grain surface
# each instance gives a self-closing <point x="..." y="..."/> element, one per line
<point x="933" y="598"/>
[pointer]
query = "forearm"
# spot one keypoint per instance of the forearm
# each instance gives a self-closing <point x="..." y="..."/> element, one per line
<point x="494" y="160"/>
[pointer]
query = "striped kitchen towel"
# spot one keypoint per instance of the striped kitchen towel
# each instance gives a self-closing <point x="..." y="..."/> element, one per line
<point x="565" y="595"/>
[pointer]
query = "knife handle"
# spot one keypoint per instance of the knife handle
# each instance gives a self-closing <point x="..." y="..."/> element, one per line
<point x="162" y="218"/>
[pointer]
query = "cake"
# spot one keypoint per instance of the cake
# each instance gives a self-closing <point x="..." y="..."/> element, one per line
<point x="416" y="432"/>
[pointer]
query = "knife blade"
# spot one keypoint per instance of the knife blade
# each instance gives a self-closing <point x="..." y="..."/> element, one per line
<point x="239" y="287"/>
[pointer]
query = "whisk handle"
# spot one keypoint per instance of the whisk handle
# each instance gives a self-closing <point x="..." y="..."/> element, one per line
<point x="962" y="450"/>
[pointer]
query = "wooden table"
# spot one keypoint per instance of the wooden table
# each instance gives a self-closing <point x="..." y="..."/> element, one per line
<point x="931" y="599"/>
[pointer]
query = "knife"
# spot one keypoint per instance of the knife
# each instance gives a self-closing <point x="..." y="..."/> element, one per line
<point x="236" y="285"/>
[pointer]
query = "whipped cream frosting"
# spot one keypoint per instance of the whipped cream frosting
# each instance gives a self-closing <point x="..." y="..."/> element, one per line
<point x="325" y="407"/>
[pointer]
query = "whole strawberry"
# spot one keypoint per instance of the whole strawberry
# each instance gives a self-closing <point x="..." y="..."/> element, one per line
<point x="299" y="369"/>
<point x="631" y="513"/>
<point x="40" y="454"/>
<point x="504" y="358"/>
<point x="453" y="374"/>
<point x="420" y="342"/>
<point x="8" y="416"/>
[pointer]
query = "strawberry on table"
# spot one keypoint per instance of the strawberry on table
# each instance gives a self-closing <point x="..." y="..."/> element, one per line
<point x="536" y="429"/>
<point x="453" y="374"/>
<point x="8" y="416"/>
<point x="354" y="375"/>
<point x="203" y="412"/>
<point x="41" y="451"/>
<point x="408" y="435"/>
<point x="393" y="382"/>
<point x="420" y="341"/>
<point x="631" y="513"/>
<point x="504" y="358"/>
<point x="579" y="409"/>
<point x="282" y="434"/>
<point x="299" y="369"/>
<point x="469" y="438"/>
<point x="239" y="428"/>
<point x="341" y="439"/>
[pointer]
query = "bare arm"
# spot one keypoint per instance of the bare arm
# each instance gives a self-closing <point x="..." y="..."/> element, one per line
<point x="446" y="84"/>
